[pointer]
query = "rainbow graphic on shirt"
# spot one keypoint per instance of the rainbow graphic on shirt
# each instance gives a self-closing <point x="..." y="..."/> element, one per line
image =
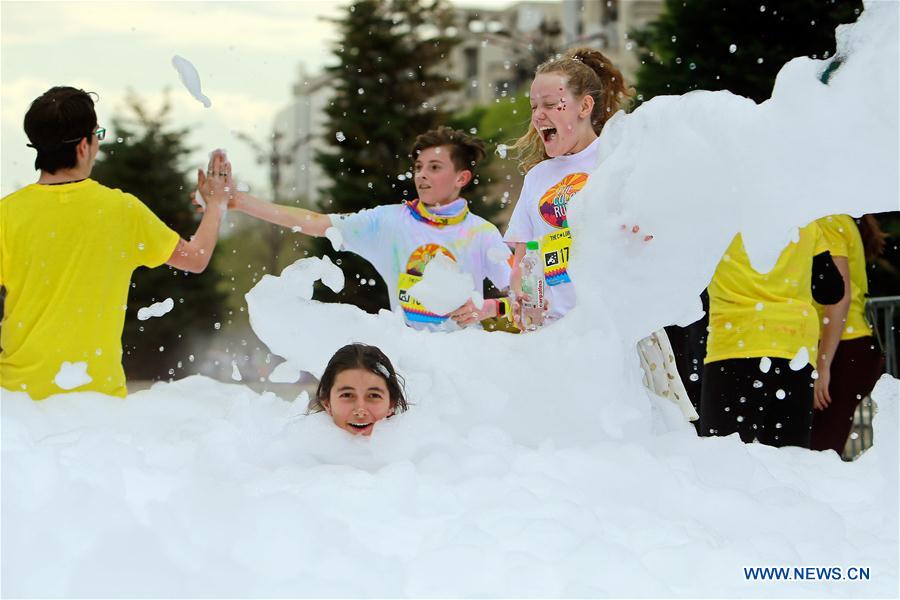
<point x="552" y="205"/>
<point x="415" y="267"/>
<point x="555" y="245"/>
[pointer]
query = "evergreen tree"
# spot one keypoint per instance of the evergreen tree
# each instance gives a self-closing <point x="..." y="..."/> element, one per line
<point x="734" y="45"/>
<point x="387" y="86"/>
<point x="146" y="162"/>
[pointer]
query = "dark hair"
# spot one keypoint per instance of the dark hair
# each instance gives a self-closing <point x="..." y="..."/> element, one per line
<point x="465" y="151"/>
<point x="873" y="237"/>
<point x="56" y="121"/>
<point x="368" y="358"/>
<point x="589" y="72"/>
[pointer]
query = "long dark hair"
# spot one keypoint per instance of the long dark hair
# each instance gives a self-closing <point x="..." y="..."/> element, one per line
<point x="368" y="358"/>
<point x="873" y="237"/>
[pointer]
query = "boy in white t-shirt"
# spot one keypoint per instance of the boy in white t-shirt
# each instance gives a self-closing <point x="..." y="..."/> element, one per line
<point x="400" y="239"/>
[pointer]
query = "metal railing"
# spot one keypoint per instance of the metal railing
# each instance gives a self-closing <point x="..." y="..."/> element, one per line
<point x="881" y="313"/>
<point x="861" y="435"/>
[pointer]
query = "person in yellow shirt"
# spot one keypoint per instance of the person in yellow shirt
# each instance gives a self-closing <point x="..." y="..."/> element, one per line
<point x="761" y="348"/>
<point x="68" y="246"/>
<point x="849" y="361"/>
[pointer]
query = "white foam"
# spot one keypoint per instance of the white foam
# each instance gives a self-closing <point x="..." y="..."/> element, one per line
<point x="285" y="373"/>
<point x="529" y="465"/>
<point x="157" y="309"/>
<point x="800" y="360"/>
<point x="335" y="236"/>
<point x="72" y="375"/>
<point x="444" y="287"/>
<point x="190" y="78"/>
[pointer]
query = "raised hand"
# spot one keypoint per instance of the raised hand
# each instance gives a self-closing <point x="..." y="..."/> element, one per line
<point x="216" y="185"/>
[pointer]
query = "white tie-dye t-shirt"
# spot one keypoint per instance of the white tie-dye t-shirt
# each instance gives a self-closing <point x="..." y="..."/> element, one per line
<point x="540" y="215"/>
<point x="399" y="246"/>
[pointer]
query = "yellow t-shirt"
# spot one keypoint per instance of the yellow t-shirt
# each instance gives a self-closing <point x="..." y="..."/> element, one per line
<point x="754" y="315"/>
<point x="843" y="239"/>
<point x="66" y="257"/>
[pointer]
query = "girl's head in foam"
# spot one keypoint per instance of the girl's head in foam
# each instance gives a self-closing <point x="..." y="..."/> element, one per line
<point x="359" y="388"/>
<point x="572" y="97"/>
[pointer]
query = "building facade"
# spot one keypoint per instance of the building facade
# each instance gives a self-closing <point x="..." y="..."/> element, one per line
<point x="606" y="25"/>
<point x="299" y="132"/>
<point x="496" y="56"/>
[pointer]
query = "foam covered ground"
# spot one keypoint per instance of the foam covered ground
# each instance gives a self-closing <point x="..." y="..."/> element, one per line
<point x="529" y="466"/>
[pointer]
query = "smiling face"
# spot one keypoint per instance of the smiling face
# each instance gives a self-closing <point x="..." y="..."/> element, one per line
<point x="436" y="177"/>
<point x="562" y="120"/>
<point x="358" y="399"/>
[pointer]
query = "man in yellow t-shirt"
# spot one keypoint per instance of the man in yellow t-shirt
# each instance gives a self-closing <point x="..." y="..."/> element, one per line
<point x="68" y="246"/>
<point x="763" y="332"/>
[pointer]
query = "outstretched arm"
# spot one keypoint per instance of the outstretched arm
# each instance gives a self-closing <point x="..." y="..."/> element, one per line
<point x="308" y="222"/>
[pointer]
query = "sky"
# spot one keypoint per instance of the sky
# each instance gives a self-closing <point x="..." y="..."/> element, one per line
<point x="248" y="55"/>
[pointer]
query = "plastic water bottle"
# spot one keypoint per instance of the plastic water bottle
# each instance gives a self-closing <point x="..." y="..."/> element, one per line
<point x="532" y="271"/>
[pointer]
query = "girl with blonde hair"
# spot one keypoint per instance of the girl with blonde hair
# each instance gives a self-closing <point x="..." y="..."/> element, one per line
<point x="572" y="98"/>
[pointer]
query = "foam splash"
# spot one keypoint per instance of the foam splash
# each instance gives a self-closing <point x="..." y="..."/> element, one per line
<point x="157" y="309"/>
<point x="444" y="287"/>
<point x="285" y="373"/>
<point x="535" y="464"/>
<point x="190" y="78"/>
<point x="336" y="238"/>
<point x="72" y="375"/>
<point x="800" y="360"/>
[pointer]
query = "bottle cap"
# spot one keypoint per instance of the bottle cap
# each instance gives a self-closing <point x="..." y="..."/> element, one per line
<point x="532" y="246"/>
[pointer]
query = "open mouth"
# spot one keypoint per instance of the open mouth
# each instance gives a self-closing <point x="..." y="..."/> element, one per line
<point x="360" y="427"/>
<point x="548" y="134"/>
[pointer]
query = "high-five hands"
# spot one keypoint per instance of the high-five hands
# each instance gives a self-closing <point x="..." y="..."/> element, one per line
<point x="216" y="185"/>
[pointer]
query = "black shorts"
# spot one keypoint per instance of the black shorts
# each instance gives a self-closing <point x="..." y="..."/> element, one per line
<point x="774" y="408"/>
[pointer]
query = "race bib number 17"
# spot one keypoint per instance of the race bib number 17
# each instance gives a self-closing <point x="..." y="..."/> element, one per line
<point x="555" y="248"/>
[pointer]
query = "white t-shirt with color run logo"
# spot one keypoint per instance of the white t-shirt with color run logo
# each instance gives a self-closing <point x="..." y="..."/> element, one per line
<point x="540" y="214"/>
<point x="399" y="246"/>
